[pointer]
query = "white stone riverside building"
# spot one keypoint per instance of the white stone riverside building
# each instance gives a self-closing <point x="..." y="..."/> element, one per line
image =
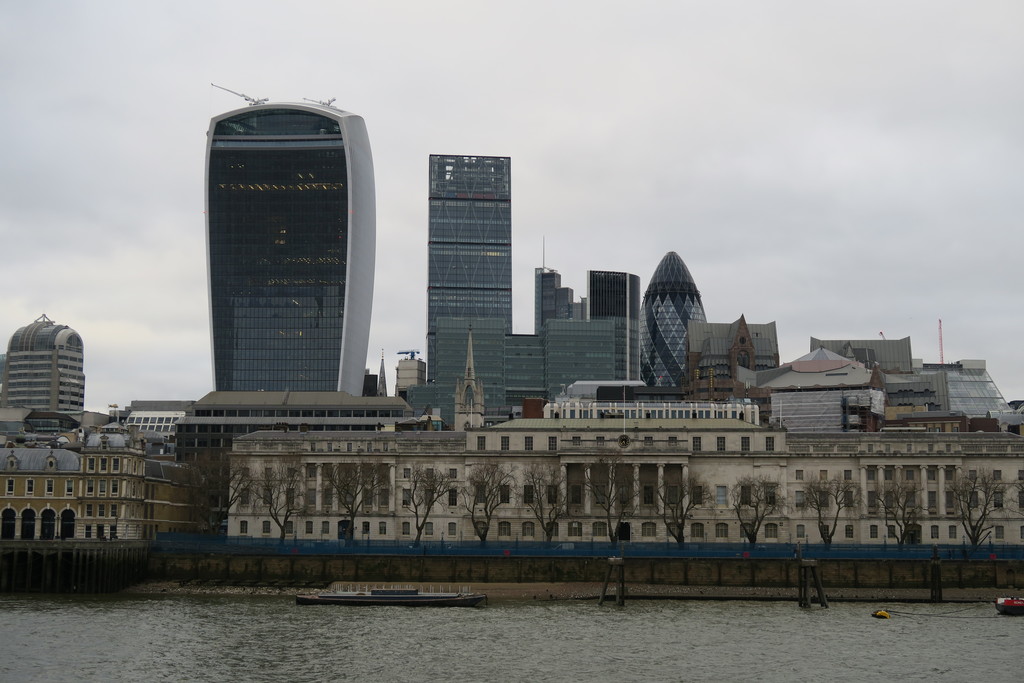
<point x="591" y="479"/>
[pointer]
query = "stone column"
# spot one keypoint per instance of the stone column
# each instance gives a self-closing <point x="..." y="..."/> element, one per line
<point x="659" y="496"/>
<point x="586" y="489"/>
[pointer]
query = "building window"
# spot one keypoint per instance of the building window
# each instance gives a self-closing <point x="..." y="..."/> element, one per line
<point x="289" y="527"/>
<point x="648" y="494"/>
<point x="769" y="443"/>
<point x="1000" y="533"/>
<point x="325" y="528"/>
<point x="799" y="475"/>
<point x="69" y="487"/>
<point x="10" y="487"/>
<point x="30" y="487"/>
<point x="428" y="529"/>
<point x="599" y="530"/>
<point x="88" y="509"/>
<point x="405" y="528"/>
<point x="801" y="531"/>
<point x="527" y="494"/>
<point x="744" y="443"/>
<point x="504" y="529"/>
<point x="997" y="499"/>
<point x="871" y="473"/>
<point x="935" y="531"/>
<point x="481" y="443"/>
<point x="798" y="499"/>
<point x="771" y="530"/>
<point x="243" y="527"/>
<point x="552" y="443"/>
<point x="721" y="530"/>
<point x="453" y="497"/>
<point x="309" y="526"/>
<point x="266" y="526"/>
<point x="648" y="530"/>
<point x="849" y="531"/>
<point x="952" y="531"/>
<point x="504" y="443"/>
<point x="504" y="493"/>
<point x="696" y="443"/>
<point x="873" y="531"/>
<point x="575" y="529"/>
<point x="721" y="495"/>
<point x="576" y="441"/>
<point x="720" y="443"/>
<point x="697" y="530"/>
<point x="528" y="529"/>
<point x="528" y="443"/>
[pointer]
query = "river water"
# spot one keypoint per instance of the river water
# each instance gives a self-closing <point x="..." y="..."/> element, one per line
<point x="262" y="638"/>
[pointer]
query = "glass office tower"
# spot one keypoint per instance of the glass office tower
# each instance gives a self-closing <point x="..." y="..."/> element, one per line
<point x="470" y="243"/>
<point x="672" y="300"/>
<point x="616" y="296"/>
<point x="290" y="220"/>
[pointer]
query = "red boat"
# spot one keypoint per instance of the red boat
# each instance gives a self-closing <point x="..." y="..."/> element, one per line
<point x="1010" y="606"/>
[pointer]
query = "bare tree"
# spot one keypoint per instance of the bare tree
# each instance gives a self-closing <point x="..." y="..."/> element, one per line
<point x="542" y="494"/>
<point x="488" y="487"/>
<point x="829" y="498"/>
<point x="354" y="485"/>
<point x="901" y="502"/>
<point x="277" y="488"/>
<point x="215" y="484"/>
<point x="678" y="500"/>
<point x="427" y="485"/>
<point x="754" y="499"/>
<point x="610" y="482"/>
<point x="975" y="497"/>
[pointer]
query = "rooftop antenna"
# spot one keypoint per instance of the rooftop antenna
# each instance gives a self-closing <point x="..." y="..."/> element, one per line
<point x="942" y="357"/>
<point x="322" y="103"/>
<point x="251" y="100"/>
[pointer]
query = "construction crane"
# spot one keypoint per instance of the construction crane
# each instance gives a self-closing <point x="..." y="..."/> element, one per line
<point x="410" y="354"/>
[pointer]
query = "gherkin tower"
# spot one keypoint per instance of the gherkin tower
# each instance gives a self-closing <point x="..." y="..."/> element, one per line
<point x="670" y="303"/>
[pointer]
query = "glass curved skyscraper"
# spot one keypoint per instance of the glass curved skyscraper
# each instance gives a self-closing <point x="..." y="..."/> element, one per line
<point x="290" y="227"/>
<point x="671" y="301"/>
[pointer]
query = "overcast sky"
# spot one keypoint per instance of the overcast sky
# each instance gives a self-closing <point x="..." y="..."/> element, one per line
<point x="843" y="169"/>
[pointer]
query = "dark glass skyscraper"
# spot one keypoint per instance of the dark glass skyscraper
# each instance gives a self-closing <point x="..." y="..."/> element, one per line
<point x="470" y="243"/>
<point x="291" y="238"/>
<point x="616" y="296"/>
<point x="670" y="303"/>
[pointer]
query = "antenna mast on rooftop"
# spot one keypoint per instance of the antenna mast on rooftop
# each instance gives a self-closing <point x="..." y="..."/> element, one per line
<point x="942" y="358"/>
<point x="322" y="103"/>
<point x="251" y="100"/>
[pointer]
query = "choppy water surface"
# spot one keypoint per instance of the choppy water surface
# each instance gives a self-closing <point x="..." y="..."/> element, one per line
<point x="244" y="638"/>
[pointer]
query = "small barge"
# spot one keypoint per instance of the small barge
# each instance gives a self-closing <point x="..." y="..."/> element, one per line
<point x="400" y="597"/>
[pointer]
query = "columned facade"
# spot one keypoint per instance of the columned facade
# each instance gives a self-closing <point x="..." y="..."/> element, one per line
<point x="655" y="476"/>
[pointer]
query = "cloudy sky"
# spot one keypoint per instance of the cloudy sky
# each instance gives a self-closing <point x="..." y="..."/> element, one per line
<point x="844" y="169"/>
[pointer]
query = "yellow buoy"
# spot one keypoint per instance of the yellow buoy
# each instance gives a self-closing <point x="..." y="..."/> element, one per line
<point x="880" y="614"/>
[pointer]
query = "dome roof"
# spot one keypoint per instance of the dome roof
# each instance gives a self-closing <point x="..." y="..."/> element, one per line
<point x="45" y="335"/>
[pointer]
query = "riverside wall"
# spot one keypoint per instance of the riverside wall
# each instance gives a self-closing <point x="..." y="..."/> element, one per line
<point x="724" y="572"/>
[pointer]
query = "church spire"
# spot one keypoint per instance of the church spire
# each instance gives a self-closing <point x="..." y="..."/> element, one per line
<point x="382" y="378"/>
<point x="470" y="372"/>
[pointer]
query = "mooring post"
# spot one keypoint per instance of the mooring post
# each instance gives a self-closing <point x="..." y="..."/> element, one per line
<point x="615" y="564"/>
<point x="936" y="575"/>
